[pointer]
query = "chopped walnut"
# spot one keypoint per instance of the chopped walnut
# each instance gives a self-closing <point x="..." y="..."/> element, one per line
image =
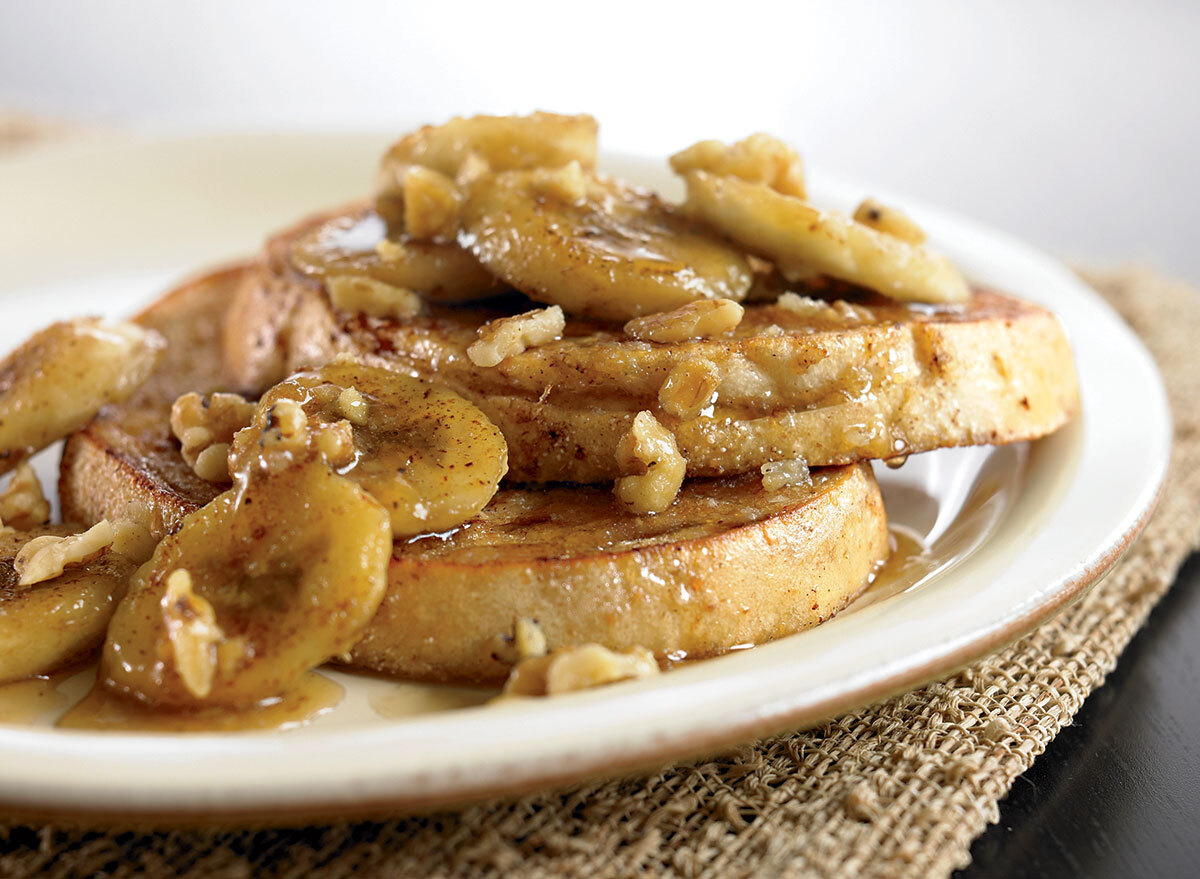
<point x="205" y="427"/>
<point x="431" y="204"/>
<point x="690" y="388"/>
<point x="335" y="442"/>
<point x="701" y="319"/>
<point x="649" y="455"/>
<point x="806" y="306"/>
<point x="759" y="158"/>
<point x="372" y="297"/>
<point x="567" y="183"/>
<point x="353" y="406"/>
<point x="285" y="438"/>
<point x="23" y="505"/>
<point x="506" y="336"/>
<point x="785" y="474"/>
<point x="132" y="540"/>
<point x="527" y="641"/>
<point x="890" y="221"/>
<point x="193" y="633"/>
<point x="45" y="558"/>
<point x="850" y="311"/>
<point x="578" y="668"/>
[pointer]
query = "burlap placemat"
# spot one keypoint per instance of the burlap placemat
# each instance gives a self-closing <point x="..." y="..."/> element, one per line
<point x="896" y="790"/>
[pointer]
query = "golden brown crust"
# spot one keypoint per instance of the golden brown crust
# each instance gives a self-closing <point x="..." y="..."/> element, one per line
<point x="874" y="379"/>
<point x="728" y="564"/>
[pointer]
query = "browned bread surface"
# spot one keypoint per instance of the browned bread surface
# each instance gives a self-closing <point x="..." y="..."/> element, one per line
<point x="727" y="564"/>
<point x="878" y="380"/>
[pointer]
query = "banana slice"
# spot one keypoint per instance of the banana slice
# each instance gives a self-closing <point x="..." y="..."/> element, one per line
<point x="431" y="458"/>
<point x="616" y="252"/>
<point x="357" y="244"/>
<point x="802" y="239"/>
<point x="61" y="377"/>
<point x="464" y="148"/>
<point x="261" y="585"/>
<point x="45" y="625"/>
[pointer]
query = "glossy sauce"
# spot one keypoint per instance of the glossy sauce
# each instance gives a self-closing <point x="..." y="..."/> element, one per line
<point x="406" y="700"/>
<point x="312" y="697"/>
<point x="28" y="701"/>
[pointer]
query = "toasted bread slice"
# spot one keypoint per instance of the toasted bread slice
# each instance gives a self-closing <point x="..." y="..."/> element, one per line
<point x="728" y="564"/>
<point x="831" y="384"/>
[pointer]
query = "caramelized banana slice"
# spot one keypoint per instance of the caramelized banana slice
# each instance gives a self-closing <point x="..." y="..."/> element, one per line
<point x="462" y="149"/>
<point x="255" y="589"/>
<point x="616" y="252"/>
<point x="802" y="239"/>
<point x="60" y="378"/>
<point x="431" y="458"/>
<point x="357" y="245"/>
<point x="46" y="625"/>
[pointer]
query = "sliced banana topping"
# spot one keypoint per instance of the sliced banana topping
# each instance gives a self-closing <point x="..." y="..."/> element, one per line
<point x="649" y="455"/>
<point x="464" y="149"/>
<point x="801" y="239"/>
<point x="431" y="458"/>
<point x="23" y="504"/>
<point x="759" y="158"/>
<point x="696" y="320"/>
<point x="357" y="246"/>
<point x="889" y="220"/>
<point x="204" y="426"/>
<point x="47" y="624"/>
<point x="617" y="253"/>
<point x="268" y="581"/>
<point x="508" y="336"/>
<point x="54" y="383"/>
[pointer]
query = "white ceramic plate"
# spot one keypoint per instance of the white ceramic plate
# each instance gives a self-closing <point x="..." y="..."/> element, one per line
<point x="1015" y="532"/>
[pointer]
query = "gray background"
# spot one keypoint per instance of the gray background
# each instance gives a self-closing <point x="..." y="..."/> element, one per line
<point x="1073" y="124"/>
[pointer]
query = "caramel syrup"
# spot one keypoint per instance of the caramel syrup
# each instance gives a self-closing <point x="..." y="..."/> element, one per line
<point x="313" y="696"/>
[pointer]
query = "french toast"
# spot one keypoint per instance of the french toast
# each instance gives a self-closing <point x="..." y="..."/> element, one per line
<point x="800" y="378"/>
<point x="728" y="564"/>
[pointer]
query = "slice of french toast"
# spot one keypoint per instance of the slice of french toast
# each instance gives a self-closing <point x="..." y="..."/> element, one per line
<point x="728" y="564"/>
<point x="829" y="383"/>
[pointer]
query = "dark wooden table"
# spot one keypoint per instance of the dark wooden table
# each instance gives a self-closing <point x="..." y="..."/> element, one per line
<point x="1117" y="794"/>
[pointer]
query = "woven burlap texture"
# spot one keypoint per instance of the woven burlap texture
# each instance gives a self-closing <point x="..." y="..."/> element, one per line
<point x="895" y="790"/>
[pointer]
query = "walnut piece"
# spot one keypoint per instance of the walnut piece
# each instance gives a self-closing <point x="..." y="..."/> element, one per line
<point x="23" y="505"/>
<point x="205" y="427"/>
<point x="578" y="668"/>
<point x="648" y="453"/>
<point x="431" y="205"/>
<point x="890" y="221"/>
<point x="369" y="296"/>
<point x="701" y="319"/>
<point x="352" y="406"/>
<point x="690" y="388"/>
<point x="759" y="158"/>
<point x="567" y="183"/>
<point x="502" y="338"/>
<point x="806" y="307"/>
<point x="45" y="558"/>
<point x="784" y="474"/>
<point x="193" y="633"/>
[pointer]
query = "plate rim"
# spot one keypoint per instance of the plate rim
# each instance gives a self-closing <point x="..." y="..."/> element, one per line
<point x="156" y="804"/>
